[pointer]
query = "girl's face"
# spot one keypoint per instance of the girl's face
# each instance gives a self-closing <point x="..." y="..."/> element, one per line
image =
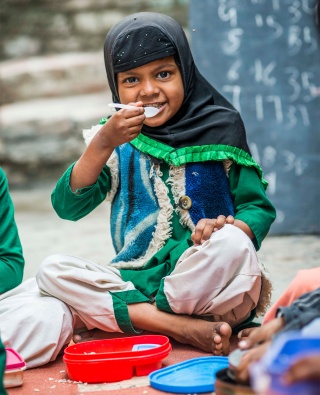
<point x="157" y="84"/>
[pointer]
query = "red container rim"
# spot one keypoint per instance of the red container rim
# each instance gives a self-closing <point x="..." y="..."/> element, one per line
<point x="133" y="359"/>
<point x="80" y="352"/>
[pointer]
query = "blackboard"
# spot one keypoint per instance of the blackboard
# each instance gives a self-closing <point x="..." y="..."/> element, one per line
<point x="264" y="56"/>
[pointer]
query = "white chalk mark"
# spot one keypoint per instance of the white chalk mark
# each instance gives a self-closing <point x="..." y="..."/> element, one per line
<point x="277" y="107"/>
<point x="259" y="107"/>
<point x="233" y="74"/>
<point x="269" y="156"/>
<point x="278" y="29"/>
<point x="234" y="37"/>
<point x="259" y="20"/>
<point x="262" y="74"/>
<point x="293" y="82"/>
<point x="228" y="15"/>
<point x="272" y="180"/>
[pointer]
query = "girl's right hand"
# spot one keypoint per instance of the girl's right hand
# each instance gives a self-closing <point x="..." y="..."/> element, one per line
<point x="124" y="126"/>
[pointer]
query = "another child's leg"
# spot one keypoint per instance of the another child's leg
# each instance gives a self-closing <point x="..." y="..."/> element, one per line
<point x="34" y="325"/>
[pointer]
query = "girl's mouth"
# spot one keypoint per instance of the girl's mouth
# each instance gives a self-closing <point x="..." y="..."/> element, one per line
<point x="156" y="105"/>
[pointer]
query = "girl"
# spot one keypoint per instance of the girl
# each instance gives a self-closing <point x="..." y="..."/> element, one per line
<point x="189" y="207"/>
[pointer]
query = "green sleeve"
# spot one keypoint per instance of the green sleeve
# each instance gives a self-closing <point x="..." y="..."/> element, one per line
<point x="11" y="258"/>
<point x="252" y="205"/>
<point x="75" y="205"/>
<point x="2" y="367"/>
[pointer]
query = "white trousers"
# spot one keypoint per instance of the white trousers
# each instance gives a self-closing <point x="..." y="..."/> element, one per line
<point x="220" y="279"/>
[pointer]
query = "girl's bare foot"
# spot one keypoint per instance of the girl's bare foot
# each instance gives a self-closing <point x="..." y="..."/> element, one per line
<point x="221" y="333"/>
<point x="213" y="337"/>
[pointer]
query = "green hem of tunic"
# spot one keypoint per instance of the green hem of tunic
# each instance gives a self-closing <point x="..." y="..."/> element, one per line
<point x="120" y="306"/>
<point x="161" y="300"/>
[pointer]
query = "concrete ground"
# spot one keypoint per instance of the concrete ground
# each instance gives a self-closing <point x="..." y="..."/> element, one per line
<point x="42" y="233"/>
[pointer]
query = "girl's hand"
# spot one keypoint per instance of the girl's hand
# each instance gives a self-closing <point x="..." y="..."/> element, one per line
<point x="206" y="226"/>
<point x="124" y="126"/>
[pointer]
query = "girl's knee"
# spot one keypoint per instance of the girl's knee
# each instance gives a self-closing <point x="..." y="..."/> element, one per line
<point x="48" y="268"/>
<point x="233" y="240"/>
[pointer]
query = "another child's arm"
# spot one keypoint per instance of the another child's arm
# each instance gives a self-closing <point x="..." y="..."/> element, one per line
<point x="122" y="127"/>
<point x="11" y="258"/>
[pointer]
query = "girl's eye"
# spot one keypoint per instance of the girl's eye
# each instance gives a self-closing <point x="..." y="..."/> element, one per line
<point x="164" y="74"/>
<point x="131" y="80"/>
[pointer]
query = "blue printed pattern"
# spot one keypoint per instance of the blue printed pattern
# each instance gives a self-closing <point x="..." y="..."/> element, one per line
<point x="133" y="215"/>
<point x="208" y="187"/>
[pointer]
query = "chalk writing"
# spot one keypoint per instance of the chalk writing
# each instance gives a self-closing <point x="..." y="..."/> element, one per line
<point x="234" y="41"/>
<point x="264" y="56"/>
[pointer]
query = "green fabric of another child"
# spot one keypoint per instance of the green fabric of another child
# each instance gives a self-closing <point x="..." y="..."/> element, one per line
<point x="2" y="368"/>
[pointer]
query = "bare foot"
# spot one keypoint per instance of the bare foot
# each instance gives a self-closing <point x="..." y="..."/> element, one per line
<point x="207" y="336"/>
<point x="221" y="333"/>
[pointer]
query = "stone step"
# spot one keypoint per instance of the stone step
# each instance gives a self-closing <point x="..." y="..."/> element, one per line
<point x="52" y="76"/>
<point x="39" y="138"/>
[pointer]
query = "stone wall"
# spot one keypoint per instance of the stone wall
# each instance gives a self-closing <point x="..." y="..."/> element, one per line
<point x="53" y="81"/>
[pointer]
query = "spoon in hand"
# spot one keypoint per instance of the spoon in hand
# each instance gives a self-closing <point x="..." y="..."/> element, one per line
<point x="149" y="111"/>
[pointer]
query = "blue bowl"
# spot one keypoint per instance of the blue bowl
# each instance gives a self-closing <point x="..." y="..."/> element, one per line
<point x="289" y="348"/>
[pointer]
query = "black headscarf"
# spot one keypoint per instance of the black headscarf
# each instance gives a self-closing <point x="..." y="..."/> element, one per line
<point x="205" y="117"/>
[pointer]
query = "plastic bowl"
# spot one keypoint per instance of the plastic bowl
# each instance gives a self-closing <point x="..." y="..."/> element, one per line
<point x="110" y="360"/>
<point x="15" y="365"/>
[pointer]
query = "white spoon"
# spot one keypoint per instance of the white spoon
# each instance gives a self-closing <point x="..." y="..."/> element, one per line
<point x="149" y="111"/>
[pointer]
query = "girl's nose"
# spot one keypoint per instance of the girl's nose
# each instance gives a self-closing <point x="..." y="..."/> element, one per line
<point x="149" y="88"/>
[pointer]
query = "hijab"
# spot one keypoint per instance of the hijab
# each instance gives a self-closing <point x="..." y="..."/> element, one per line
<point x="205" y="117"/>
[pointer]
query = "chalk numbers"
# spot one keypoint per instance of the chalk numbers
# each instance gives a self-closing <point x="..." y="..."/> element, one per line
<point x="289" y="162"/>
<point x="291" y="107"/>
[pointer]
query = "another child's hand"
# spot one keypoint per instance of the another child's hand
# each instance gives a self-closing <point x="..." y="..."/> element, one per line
<point x="256" y="341"/>
<point x="305" y="368"/>
<point x="241" y="371"/>
<point x="206" y="226"/>
<point x="253" y="336"/>
<point x="124" y="126"/>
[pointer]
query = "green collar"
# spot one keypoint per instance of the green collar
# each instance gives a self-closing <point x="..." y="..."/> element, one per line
<point x="203" y="153"/>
